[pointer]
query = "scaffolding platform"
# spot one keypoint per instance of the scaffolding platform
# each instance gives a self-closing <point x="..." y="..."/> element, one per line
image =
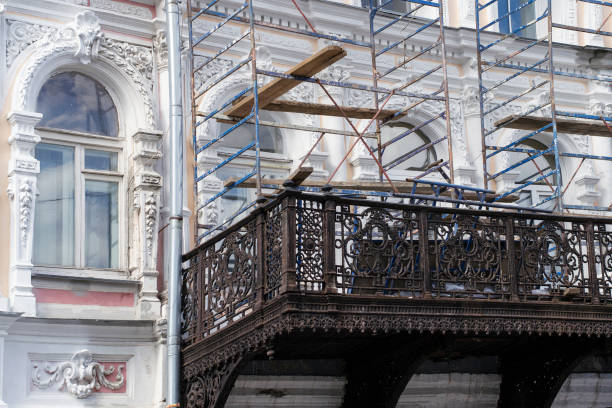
<point x="582" y="127"/>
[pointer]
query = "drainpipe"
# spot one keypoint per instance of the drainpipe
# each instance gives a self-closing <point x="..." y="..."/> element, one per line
<point x="175" y="134"/>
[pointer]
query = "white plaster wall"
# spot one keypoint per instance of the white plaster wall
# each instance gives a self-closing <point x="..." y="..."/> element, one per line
<point x="55" y="339"/>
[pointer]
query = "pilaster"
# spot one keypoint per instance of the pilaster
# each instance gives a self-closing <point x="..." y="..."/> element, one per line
<point x="145" y="220"/>
<point x="23" y="169"/>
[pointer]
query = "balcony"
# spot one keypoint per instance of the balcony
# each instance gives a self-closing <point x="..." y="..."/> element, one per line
<point x="319" y="276"/>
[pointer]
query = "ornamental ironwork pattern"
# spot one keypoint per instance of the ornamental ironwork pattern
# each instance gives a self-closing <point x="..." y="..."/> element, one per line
<point x="379" y="251"/>
<point x="553" y="259"/>
<point x="603" y="260"/>
<point x="273" y="252"/>
<point x="325" y="245"/>
<point x="309" y="245"/>
<point x="466" y="254"/>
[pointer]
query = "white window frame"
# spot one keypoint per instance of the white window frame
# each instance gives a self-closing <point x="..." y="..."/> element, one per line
<point x="81" y="141"/>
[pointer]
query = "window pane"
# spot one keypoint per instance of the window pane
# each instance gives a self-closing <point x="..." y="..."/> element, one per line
<point x="54" y="215"/>
<point x="74" y="101"/>
<point x="100" y="160"/>
<point x="101" y="224"/>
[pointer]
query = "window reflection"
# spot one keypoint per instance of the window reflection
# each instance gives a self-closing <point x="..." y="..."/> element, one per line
<point x="54" y="216"/>
<point x="74" y="101"/>
<point x="102" y="227"/>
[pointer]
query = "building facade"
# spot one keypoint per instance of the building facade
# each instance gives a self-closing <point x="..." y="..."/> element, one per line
<point x="83" y="128"/>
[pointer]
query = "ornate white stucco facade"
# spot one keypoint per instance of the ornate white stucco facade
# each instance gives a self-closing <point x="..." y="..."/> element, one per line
<point x="108" y="324"/>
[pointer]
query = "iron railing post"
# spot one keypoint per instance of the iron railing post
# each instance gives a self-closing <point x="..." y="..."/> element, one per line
<point x="593" y="281"/>
<point x="288" y="281"/>
<point x="424" y="250"/>
<point x="329" y="244"/>
<point x="260" y="254"/>
<point x="513" y="272"/>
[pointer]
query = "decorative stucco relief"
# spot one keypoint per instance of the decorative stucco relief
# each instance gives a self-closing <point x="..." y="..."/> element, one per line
<point x="81" y="376"/>
<point x="84" y="38"/>
<point x="160" y="46"/>
<point x="20" y="35"/>
<point x="150" y="222"/>
<point x="122" y="8"/>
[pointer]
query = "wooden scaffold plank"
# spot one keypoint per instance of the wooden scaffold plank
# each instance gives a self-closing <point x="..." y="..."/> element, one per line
<point x="279" y="86"/>
<point x="575" y="127"/>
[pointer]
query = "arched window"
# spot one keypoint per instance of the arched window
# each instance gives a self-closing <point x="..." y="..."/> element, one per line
<point x="407" y="153"/>
<point x="73" y="101"/>
<point x="269" y="137"/>
<point x="78" y="209"/>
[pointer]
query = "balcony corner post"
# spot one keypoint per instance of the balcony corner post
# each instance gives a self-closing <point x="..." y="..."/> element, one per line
<point x="513" y="272"/>
<point x="329" y="244"/>
<point x="289" y="281"/>
<point x="260" y="276"/>
<point x="593" y="281"/>
<point x="424" y="250"/>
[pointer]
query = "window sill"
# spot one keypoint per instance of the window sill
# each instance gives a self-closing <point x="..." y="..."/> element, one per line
<point x="101" y="275"/>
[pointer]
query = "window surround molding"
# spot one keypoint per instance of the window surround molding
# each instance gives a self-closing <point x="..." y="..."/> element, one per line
<point x="81" y="46"/>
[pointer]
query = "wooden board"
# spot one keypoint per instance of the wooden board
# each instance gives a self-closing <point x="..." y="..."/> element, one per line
<point x="279" y="86"/>
<point x="576" y="127"/>
<point x="299" y="175"/>
<point x="402" y="186"/>
<point x="327" y="110"/>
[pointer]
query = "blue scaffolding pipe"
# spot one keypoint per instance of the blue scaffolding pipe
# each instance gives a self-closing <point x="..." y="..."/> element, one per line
<point x="395" y="20"/>
<point x="527" y="113"/>
<point x="221" y="24"/>
<point x="395" y="44"/>
<point x="199" y="13"/>
<point x="222" y="77"/>
<point x="516" y="74"/>
<point x="515" y="97"/>
<point x="584" y="116"/>
<point x="292" y="30"/>
<point x="406" y="61"/>
<point x="522" y="186"/>
<point x="519" y="140"/>
<point x="222" y="51"/>
<point x="227" y="220"/>
<point x="504" y="16"/>
<point x="226" y="189"/>
<point x="514" y="54"/>
<point x="521" y="162"/>
<point x="600" y="2"/>
<point x="225" y="105"/>
<point x="228" y="131"/>
<point x="558" y="73"/>
<point x="349" y="85"/>
<point x="513" y="32"/>
<point x="409" y="131"/>
<point x="396" y="162"/>
<point x="224" y="162"/>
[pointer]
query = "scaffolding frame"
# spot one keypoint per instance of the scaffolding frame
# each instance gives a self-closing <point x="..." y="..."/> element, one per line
<point x="380" y="20"/>
<point x="543" y="117"/>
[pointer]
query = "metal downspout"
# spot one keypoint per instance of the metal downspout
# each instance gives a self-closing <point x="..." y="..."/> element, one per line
<point x="175" y="184"/>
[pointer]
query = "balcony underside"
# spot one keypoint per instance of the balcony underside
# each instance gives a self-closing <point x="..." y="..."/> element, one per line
<point x="383" y="286"/>
<point x="383" y="340"/>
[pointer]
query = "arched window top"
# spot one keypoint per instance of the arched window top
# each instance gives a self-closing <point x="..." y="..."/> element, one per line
<point x="407" y="152"/>
<point x="73" y="101"/>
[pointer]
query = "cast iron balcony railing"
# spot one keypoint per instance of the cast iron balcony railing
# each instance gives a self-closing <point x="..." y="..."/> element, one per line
<point x="327" y="245"/>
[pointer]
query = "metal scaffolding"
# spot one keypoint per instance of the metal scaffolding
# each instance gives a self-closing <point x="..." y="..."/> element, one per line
<point x="243" y="109"/>
<point x="495" y="58"/>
